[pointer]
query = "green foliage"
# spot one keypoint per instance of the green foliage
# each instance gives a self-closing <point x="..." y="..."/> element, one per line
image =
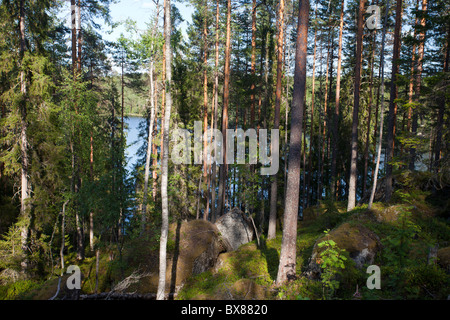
<point x="332" y="262"/>
<point x="17" y="290"/>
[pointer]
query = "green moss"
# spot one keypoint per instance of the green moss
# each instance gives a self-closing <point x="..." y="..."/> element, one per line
<point x="19" y="290"/>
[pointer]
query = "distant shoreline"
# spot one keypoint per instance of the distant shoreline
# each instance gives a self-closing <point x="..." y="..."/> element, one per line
<point x="134" y="115"/>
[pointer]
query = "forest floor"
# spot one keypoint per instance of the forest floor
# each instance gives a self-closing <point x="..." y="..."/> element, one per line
<point x="409" y="239"/>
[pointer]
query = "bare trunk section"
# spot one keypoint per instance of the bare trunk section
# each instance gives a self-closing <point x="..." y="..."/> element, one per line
<point x="336" y="108"/>
<point x="24" y="154"/>
<point x="149" y="152"/>
<point x="381" y="92"/>
<point x="441" y="111"/>
<point x="216" y="105"/>
<point x="287" y="266"/>
<point x="420" y="55"/>
<point x="153" y="111"/>
<point x="366" y="149"/>
<point x="274" y="186"/>
<point x="311" y="132"/>
<point x="226" y="102"/>
<point x="253" y="66"/>
<point x="392" y="103"/>
<point x="354" y="143"/>
<point x="165" y="157"/>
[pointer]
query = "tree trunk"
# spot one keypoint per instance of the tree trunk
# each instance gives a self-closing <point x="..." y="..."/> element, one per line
<point x="441" y="110"/>
<point x="91" y="214"/>
<point x="311" y="133"/>
<point x="253" y="66"/>
<point x="149" y="152"/>
<point x="369" y="107"/>
<point x="380" y="139"/>
<point x="354" y="143"/>
<point x="165" y="158"/>
<point x="205" y="106"/>
<point x="150" y="134"/>
<point x="420" y="55"/>
<point x="226" y="102"/>
<point x="79" y="38"/>
<point x="274" y="186"/>
<point x="216" y="104"/>
<point x="336" y="108"/>
<point x="392" y="104"/>
<point x="325" y="108"/>
<point x="24" y="152"/>
<point x="287" y="266"/>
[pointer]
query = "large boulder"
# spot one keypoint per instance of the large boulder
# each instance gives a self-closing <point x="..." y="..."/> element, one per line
<point x="443" y="256"/>
<point x="193" y="248"/>
<point x="236" y="228"/>
<point x="361" y="243"/>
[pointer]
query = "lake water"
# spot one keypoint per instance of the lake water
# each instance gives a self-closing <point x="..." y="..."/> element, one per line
<point x="133" y="143"/>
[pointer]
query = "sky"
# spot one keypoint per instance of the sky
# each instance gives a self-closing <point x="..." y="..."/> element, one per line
<point x="137" y="10"/>
<point x="141" y="11"/>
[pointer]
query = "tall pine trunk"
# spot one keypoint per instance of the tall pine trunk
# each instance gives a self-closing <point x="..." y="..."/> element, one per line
<point x="392" y="117"/>
<point x="441" y="110"/>
<point x="354" y="143"/>
<point x="335" y="141"/>
<point x="381" y="93"/>
<point x="24" y="152"/>
<point x="287" y="266"/>
<point x="216" y="105"/>
<point x="274" y="186"/>
<point x="226" y="102"/>
<point x="149" y="151"/>
<point x="165" y="158"/>
<point x="420" y="55"/>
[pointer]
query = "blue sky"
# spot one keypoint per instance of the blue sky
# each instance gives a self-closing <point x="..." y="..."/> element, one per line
<point x="141" y="11"/>
<point x="137" y="10"/>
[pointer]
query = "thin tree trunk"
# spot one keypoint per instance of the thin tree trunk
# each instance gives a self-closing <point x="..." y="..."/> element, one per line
<point x="274" y="185"/>
<point x="205" y="106"/>
<point x="325" y="109"/>
<point x="420" y="55"/>
<point x="380" y="138"/>
<point x="79" y="38"/>
<point x="336" y="108"/>
<point x="287" y="266"/>
<point x="392" y="104"/>
<point x="354" y="143"/>
<point x="366" y="150"/>
<point x="226" y="101"/>
<point x="311" y="134"/>
<point x="216" y="104"/>
<point x="150" y="134"/>
<point x="91" y="214"/>
<point x="253" y="66"/>
<point x="163" y="97"/>
<point x="149" y="153"/>
<point x="441" y="110"/>
<point x="25" y="183"/>
<point x="165" y="158"/>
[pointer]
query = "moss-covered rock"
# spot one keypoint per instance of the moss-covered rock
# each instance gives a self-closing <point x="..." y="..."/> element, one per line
<point x="194" y="248"/>
<point x="235" y="227"/>
<point x="389" y="214"/>
<point x="358" y="241"/>
<point x="443" y="256"/>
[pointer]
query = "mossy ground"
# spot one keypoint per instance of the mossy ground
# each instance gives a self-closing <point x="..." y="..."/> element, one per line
<point x="408" y="227"/>
<point x="416" y="278"/>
